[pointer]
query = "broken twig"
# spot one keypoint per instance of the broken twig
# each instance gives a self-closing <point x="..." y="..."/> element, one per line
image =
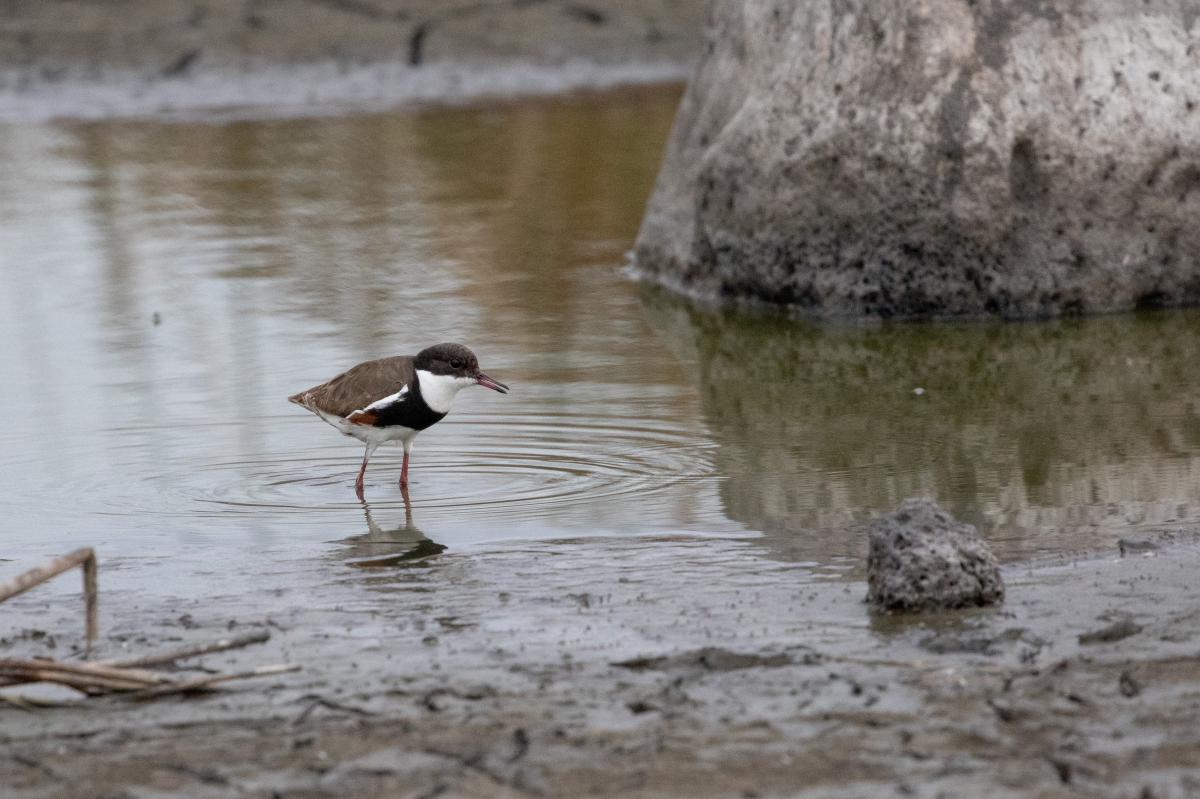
<point x="192" y="651"/>
<point x="86" y="558"/>
<point x="12" y="667"/>
<point x="125" y="678"/>
<point x="204" y="683"/>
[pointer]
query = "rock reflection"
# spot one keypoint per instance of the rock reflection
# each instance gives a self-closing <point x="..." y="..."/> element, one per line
<point x="388" y="548"/>
<point x="1055" y="435"/>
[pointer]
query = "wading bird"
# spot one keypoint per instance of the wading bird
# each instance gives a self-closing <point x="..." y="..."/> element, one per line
<point x="395" y="398"/>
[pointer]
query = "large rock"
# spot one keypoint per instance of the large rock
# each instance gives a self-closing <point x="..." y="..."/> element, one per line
<point x="950" y="157"/>
<point x="922" y="559"/>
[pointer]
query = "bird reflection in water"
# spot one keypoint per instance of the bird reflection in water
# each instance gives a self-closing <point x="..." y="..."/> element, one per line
<point x="383" y="548"/>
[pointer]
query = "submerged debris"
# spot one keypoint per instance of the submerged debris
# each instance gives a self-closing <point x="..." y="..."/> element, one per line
<point x="922" y="559"/>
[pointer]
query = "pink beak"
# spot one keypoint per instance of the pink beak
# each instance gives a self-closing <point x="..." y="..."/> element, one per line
<point x="487" y="382"/>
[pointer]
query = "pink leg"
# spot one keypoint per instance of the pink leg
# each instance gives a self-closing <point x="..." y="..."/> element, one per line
<point x="358" y="484"/>
<point x="404" y="471"/>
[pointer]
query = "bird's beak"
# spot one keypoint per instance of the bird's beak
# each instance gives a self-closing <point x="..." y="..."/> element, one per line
<point x="487" y="382"/>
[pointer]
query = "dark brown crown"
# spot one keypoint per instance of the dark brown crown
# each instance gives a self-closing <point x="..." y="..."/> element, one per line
<point x="447" y="359"/>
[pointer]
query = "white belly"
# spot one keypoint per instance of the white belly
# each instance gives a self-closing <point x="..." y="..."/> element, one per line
<point x="368" y="434"/>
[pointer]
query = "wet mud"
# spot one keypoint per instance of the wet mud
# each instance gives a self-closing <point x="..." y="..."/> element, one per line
<point x="645" y="667"/>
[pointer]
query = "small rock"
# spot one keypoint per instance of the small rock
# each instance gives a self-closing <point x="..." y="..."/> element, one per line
<point x="1062" y="768"/>
<point x="1116" y="631"/>
<point x="181" y="64"/>
<point x="922" y="559"/>
<point x="944" y="643"/>
<point x="1128" y="546"/>
<point x="1128" y="685"/>
<point x="706" y="659"/>
<point x="586" y="14"/>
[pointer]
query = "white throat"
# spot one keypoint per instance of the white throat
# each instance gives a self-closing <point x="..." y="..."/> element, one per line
<point x="438" y="391"/>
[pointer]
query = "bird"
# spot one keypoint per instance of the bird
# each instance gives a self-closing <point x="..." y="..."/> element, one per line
<point x="395" y="398"/>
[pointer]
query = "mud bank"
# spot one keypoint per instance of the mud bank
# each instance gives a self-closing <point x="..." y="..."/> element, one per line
<point x="645" y="667"/>
<point x="277" y="92"/>
<point x="93" y="59"/>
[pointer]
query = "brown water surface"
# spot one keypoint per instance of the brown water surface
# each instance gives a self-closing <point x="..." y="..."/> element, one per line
<point x="166" y="284"/>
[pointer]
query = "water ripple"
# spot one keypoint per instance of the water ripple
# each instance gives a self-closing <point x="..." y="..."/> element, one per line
<point x="517" y="466"/>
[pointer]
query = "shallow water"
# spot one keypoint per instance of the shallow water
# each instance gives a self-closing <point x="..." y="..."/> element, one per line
<point x="167" y="284"/>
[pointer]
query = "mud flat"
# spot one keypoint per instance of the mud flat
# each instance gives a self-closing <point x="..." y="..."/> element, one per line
<point x="644" y="667"/>
<point x="94" y="59"/>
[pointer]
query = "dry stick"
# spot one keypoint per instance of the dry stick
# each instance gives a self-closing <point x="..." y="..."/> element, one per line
<point x="23" y="582"/>
<point x="144" y="683"/>
<point x="316" y="700"/>
<point x="90" y="602"/>
<point x="81" y="557"/>
<point x="194" y="650"/>
<point x="85" y="682"/>
<point x="203" y="683"/>
<point x="15" y="666"/>
<point x="87" y="677"/>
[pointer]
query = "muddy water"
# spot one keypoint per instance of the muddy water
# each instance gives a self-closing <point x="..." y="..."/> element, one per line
<point x="166" y="284"/>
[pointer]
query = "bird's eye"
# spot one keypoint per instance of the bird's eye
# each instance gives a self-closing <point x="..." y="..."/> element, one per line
<point x="457" y="363"/>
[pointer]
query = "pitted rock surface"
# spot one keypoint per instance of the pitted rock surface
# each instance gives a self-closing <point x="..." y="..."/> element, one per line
<point x="1016" y="158"/>
<point x="922" y="559"/>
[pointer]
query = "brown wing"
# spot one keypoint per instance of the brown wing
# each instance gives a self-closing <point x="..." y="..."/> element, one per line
<point x="358" y="386"/>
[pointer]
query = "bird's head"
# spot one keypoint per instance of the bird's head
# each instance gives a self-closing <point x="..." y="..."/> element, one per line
<point x="455" y="362"/>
